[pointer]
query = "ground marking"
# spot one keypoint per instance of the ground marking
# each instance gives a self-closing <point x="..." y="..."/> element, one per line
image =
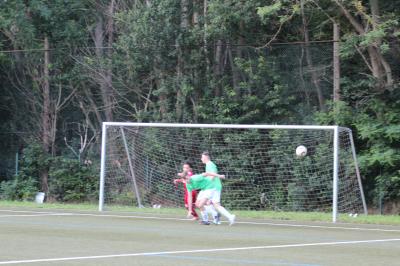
<point x="184" y="219"/>
<point x="36" y="215"/>
<point x="198" y="251"/>
<point x="27" y="211"/>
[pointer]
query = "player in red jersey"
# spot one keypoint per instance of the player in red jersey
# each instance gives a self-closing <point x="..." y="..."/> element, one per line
<point x="187" y="171"/>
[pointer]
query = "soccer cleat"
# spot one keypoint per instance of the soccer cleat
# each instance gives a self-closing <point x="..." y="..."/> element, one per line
<point x="205" y="222"/>
<point x="217" y="219"/>
<point x="232" y="219"/>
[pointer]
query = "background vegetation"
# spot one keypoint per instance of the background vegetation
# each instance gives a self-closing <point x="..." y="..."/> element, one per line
<point x="66" y="66"/>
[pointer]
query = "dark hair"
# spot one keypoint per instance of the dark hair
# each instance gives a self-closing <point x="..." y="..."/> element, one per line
<point x="206" y="153"/>
<point x="188" y="163"/>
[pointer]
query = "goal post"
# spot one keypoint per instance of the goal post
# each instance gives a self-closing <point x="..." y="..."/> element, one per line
<point x="140" y="160"/>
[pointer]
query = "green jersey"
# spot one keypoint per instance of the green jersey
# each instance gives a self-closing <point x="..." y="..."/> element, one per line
<point x="212" y="168"/>
<point x="199" y="182"/>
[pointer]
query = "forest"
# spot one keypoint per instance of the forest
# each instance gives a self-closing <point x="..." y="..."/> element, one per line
<point x="66" y="66"/>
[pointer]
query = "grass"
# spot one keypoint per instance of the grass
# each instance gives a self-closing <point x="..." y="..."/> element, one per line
<point x="90" y="240"/>
<point x="287" y="216"/>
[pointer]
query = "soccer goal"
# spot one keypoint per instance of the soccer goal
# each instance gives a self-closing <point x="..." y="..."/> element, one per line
<point x="263" y="171"/>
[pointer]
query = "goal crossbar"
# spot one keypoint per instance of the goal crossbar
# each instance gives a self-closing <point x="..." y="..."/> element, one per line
<point x="239" y="126"/>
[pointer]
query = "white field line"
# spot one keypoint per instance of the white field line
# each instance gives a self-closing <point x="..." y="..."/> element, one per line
<point x="31" y="213"/>
<point x="36" y="215"/>
<point x="323" y="227"/>
<point x="199" y="251"/>
<point x="238" y="222"/>
<point x="27" y="211"/>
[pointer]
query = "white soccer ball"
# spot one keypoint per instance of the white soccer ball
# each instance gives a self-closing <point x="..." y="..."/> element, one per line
<point x="301" y="151"/>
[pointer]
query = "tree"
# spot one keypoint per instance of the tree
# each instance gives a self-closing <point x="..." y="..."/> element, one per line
<point x="36" y="25"/>
<point x="371" y="32"/>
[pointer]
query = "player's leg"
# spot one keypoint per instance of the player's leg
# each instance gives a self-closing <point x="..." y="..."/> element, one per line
<point x="185" y="199"/>
<point x="194" y="197"/>
<point x="211" y="210"/>
<point x="204" y="215"/>
<point x="201" y="201"/>
<point x="216" y="199"/>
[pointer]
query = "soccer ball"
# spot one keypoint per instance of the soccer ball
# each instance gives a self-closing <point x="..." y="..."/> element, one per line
<point x="301" y="151"/>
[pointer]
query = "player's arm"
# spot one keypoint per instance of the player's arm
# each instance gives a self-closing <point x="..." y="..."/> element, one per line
<point x="213" y="175"/>
<point x="178" y="180"/>
<point x="181" y="179"/>
<point x="182" y="175"/>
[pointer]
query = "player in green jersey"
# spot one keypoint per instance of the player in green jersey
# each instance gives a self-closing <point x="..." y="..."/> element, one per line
<point x="211" y="172"/>
<point x="206" y="187"/>
<point x="210" y="185"/>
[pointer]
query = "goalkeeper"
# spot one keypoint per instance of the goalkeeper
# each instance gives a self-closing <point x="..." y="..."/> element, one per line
<point x="187" y="172"/>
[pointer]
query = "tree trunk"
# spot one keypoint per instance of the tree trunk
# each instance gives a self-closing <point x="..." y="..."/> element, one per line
<point x="162" y="99"/>
<point x="380" y="68"/>
<point x="104" y="78"/>
<point x="110" y="41"/>
<point x="218" y="65"/>
<point x="181" y="64"/>
<point x="336" y="63"/>
<point x="235" y="72"/>
<point x="314" y="74"/>
<point x="375" y="11"/>
<point x="205" y="43"/>
<point x="236" y="52"/>
<point x="196" y="13"/>
<point x="46" y="127"/>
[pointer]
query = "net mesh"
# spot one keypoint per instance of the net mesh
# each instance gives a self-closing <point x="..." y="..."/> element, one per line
<point x="261" y="167"/>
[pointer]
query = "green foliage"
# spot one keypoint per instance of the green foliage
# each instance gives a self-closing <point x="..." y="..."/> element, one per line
<point x="211" y="71"/>
<point x="26" y="184"/>
<point x="70" y="181"/>
<point x="34" y="160"/>
<point x="267" y="11"/>
<point x="283" y="11"/>
<point x="376" y="124"/>
<point x="19" y="188"/>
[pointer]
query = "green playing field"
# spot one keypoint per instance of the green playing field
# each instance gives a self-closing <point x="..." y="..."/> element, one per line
<point x="55" y="237"/>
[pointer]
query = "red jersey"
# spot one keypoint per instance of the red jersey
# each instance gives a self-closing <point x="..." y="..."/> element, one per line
<point x="194" y="195"/>
<point x="194" y="192"/>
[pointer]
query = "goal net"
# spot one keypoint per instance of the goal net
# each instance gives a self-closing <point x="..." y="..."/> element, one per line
<point x="263" y="172"/>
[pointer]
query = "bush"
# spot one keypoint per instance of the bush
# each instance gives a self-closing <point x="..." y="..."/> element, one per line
<point x="377" y="136"/>
<point x="26" y="184"/>
<point x="19" y="188"/>
<point x="69" y="181"/>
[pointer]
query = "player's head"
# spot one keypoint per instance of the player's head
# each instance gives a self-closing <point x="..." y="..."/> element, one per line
<point x="187" y="167"/>
<point x="205" y="157"/>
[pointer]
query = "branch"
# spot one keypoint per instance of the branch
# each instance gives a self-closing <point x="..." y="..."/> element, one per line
<point x="323" y="11"/>
<point x="278" y="31"/>
<point x="359" y="28"/>
<point x="364" y="58"/>
<point x="60" y="105"/>
<point x="70" y="147"/>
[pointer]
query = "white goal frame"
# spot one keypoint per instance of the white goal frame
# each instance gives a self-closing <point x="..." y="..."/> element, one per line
<point x="335" y="162"/>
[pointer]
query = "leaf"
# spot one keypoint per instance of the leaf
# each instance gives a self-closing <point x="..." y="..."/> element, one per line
<point x="267" y="11"/>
